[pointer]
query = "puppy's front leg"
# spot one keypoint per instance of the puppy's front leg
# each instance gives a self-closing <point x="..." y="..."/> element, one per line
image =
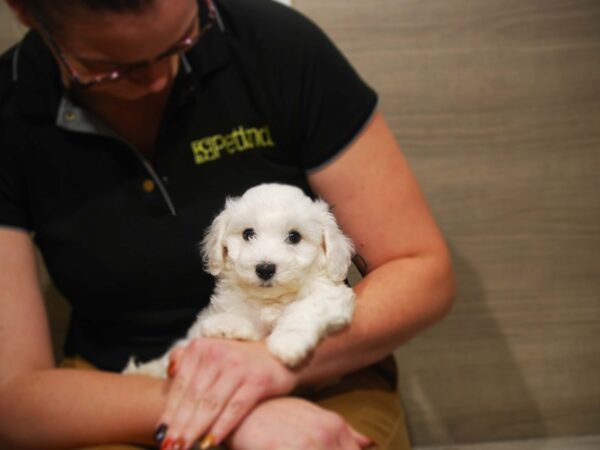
<point x="306" y="321"/>
<point x="156" y="368"/>
<point x="229" y="326"/>
<point x="291" y="341"/>
<point x="228" y="316"/>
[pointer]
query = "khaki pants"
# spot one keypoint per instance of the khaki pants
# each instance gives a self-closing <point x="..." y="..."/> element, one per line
<point x="365" y="399"/>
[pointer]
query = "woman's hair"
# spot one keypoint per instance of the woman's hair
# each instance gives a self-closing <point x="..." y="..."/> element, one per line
<point x="51" y="12"/>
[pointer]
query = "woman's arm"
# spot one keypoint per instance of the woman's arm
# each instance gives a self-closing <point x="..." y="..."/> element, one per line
<point x="295" y="424"/>
<point x="44" y="407"/>
<point x="408" y="283"/>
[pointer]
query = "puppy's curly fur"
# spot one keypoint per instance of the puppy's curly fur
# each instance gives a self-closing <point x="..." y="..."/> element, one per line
<point x="280" y="260"/>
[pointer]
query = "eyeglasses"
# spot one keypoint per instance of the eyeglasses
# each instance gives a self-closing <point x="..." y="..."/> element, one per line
<point x="86" y="81"/>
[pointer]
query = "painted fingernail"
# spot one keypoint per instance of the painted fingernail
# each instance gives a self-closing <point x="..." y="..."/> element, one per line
<point x="166" y="445"/>
<point x="179" y="444"/>
<point x="160" y="432"/>
<point x="171" y="369"/>
<point x="208" y="441"/>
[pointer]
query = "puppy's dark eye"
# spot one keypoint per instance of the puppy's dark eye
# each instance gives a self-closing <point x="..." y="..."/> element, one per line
<point x="248" y="234"/>
<point x="293" y="237"/>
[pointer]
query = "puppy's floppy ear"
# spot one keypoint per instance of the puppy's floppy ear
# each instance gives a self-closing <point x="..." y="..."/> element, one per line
<point x="213" y="249"/>
<point x="337" y="247"/>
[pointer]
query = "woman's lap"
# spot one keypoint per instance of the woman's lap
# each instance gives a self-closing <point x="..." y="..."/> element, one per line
<point x="368" y="402"/>
<point x="364" y="399"/>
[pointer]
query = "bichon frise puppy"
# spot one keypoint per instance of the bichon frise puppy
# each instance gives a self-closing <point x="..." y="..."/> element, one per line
<point x="281" y="261"/>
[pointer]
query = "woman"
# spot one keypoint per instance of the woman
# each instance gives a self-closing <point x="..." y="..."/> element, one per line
<point x="125" y="124"/>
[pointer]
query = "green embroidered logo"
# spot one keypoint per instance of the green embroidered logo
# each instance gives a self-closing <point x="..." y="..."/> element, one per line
<point x="240" y="139"/>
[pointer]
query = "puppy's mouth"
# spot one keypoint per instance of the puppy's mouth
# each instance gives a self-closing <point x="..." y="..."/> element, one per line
<point x="266" y="284"/>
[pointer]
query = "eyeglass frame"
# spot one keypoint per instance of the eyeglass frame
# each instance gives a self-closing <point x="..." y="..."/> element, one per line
<point x="117" y="74"/>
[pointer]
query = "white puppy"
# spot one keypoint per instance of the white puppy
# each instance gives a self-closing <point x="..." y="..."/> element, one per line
<point x="280" y="261"/>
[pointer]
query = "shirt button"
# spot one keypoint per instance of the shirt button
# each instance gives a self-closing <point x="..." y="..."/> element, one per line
<point x="148" y="185"/>
<point x="70" y="116"/>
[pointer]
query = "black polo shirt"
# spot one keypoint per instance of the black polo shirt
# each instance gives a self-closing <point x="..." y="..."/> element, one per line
<point x="263" y="97"/>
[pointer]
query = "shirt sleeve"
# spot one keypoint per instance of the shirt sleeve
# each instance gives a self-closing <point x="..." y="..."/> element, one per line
<point x="326" y="104"/>
<point x="13" y="193"/>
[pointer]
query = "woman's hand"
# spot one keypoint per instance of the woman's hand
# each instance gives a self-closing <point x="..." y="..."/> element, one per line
<point x="295" y="424"/>
<point x="214" y="384"/>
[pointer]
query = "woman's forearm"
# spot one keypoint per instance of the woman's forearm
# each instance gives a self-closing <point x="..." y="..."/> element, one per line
<point x="64" y="408"/>
<point x="393" y="303"/>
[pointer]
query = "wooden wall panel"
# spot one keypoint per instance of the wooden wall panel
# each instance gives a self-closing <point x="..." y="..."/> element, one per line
<point x="10" y="29"/>
<point x="497" y="106"/>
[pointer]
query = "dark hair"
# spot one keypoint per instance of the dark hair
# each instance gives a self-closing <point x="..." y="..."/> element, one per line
<point x="50" y="12"/>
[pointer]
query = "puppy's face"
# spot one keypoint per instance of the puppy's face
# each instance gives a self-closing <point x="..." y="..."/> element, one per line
<point x="271" y="249"/>
<point x="272" y="239"/>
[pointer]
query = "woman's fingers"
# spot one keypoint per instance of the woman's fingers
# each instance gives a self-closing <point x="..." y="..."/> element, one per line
<point x="240" y="404"/>
<point x="362" y="440"/>
<point x="223" y="406"/>
<point x="336" y="433"/>
<point x="346" y="441"/>
<point x="214" y="385"/>
<point x="184" y="368"/>
<point x="211" y="390"/>
<point x="208" y="408"/>
<point x="175" y="360"/>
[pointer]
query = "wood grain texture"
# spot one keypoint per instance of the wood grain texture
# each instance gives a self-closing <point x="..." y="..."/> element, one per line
<point x="497" y="106"/>
<point x="10" y="29"/>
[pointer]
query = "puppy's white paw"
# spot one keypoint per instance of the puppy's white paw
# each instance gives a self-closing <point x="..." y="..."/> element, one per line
<point x="228" y="326"/>
<point x="291" y="348"/>
<point x="156" y="368"/>
<point x="131" y="367"/>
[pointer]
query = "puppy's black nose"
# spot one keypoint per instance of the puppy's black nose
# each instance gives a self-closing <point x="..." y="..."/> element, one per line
<point x="265" y="271"/>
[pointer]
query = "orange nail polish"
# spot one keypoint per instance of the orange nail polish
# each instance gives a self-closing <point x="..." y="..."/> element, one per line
<point x="179" y="444"/>
<point x="171" y="369"/>
<point x="166" y="445"/>
<point x="208" y="441"/>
